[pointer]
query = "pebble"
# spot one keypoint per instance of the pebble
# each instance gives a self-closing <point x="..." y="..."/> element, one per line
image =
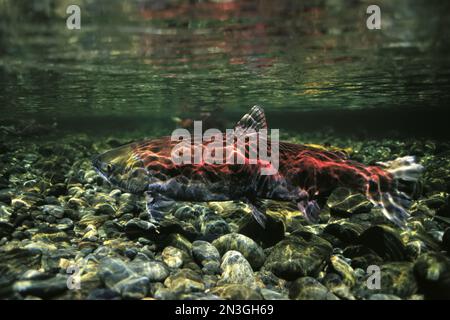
<point x="238" y="242"/>
<point x="307" y="288"/>
<point x="303" y="254"/>
<point x="173" y="257"/>
<point x="236" y="269"/>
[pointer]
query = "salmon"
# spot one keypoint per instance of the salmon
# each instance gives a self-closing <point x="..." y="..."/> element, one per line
<point x="303" y="174"/>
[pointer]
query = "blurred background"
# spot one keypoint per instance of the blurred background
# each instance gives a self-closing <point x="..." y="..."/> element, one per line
<point x="311" y="64"/>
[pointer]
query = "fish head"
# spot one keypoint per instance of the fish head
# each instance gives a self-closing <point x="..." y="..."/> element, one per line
<point x="122" y="168"/>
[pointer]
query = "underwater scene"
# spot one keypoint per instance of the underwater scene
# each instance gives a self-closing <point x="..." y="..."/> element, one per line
<point x="224" y="150"/>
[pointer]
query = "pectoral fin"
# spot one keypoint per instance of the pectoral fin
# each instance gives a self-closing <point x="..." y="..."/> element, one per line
<point x="310" y="210"/>
<point x="258" y="211"/>
<point x="158" y="205"/>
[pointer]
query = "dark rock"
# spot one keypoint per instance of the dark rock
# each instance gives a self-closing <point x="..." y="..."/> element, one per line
<point x="6" y="229"/>
<point x="212" y="227"/>
<point x="343" y="268"/>
<point x="301" y="254"/>
<point x="152" y="269"/>
<point x="134" y="288"/>
<point x="362" y="257"/>
<point x="270" y="235"/>
<point x="308" y="288"/>
<point x="238" y="242"/>
<point x="432" y="271"/>
<point x="103" y="294"/>
<point x="207" y="256"/>
<point x="344" y="201"/>
<point x="53" y="210"/>
<point x="139" y="228"/>
<point x="397" y="278"/>
<point x="204" y="251"/>
<point x="42" y="288"/>
<point x="381" y="296"/>
<point x="346" y="232"/>
<point x="444" y="210"/>
<point x="185" y="281"/>
<point x="6" y="195"/>
<point x="446" y="241"/>
<point x="385" y="241"/>
<point x="14" y="263"/>
<point x="236" y="292"/>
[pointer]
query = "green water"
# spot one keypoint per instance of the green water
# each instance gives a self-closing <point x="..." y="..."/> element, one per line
<point x="163" y="58"/>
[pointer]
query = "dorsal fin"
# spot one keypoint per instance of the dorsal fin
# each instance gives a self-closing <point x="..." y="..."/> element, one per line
<point x="255" y="119"/>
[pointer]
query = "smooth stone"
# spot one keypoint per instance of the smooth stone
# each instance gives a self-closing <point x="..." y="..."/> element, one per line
<point x="204" y="252"/>
<point x="185" y="281"/>
<point x="113" y="270"/>
<point x="213" y="226"/>
<point x="334" y="283"/>
<point x="46" y="288"/>
<point x="35" y="275"/>
<point x="172" y="256"/>
<point x="236" y="292"/>
<point x="346" y="232"/>
<point x="236" y="269"/>
<point x="385" y="241"/>
<point x="65" y="224"/>
<point x="138" y="228"/>
<point x="273" y="295"/>
<point x="397" y="278"/>
<point x="380" y="296"/>
<point x="271" y="234"/>
<point x="134" y="288"/>
<point x="155" y="271"/>
<point x="301" y="254"/>
<point x="342" y="267"/>
<point x="432" y="271"/>
<point x="345" y="201"/>
<point x="6" y="229"/>
<point x="54" y="210"/>
<point x="103" y="294"/>
<point x="362" y="257"/>
<point x="307" y="288"/>
<point x="238" y="242"/>
<point x="105" y="208"/>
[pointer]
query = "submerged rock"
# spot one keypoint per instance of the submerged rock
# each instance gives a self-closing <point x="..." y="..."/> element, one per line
<point x="395" y="278"/>
<point x="301" y="254"/>
<point x="238" y="242"/>
<point x="342" y="267"/>
<point x="345" y="201"/>
<point x="43" y="288"/>
<point x="432" y="271"/>
<point x="173" y="257"/>
<point x="236" y="292"/>
<point x="236" y="269"/>
<point x="385" y="241"/>
<point x="185" y="281"/>
<point x="207" y="256"/>
<point x="307" y="288"/>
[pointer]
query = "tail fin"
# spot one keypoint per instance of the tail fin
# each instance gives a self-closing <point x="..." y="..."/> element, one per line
<point x="394" y="204"/>
<point x="404" y="168"/>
